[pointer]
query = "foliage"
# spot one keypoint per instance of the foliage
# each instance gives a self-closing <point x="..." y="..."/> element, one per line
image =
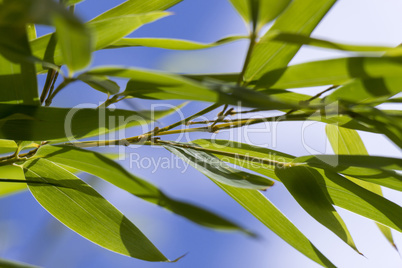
<point x="39" y="153"/>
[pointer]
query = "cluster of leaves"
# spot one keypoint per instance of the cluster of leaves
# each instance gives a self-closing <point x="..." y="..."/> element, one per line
<point x="40" y="159"/>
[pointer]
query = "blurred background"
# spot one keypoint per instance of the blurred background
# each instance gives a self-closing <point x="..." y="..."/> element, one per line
<point x="28" y="233"/>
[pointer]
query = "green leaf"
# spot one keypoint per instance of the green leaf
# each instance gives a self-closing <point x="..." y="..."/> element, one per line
<point x="259" y="12"/>
<point x="47" y="123"/>
<point x="149" y="84"/>
<point x="302" y="183"/>
<point x="12" y="264"/>
<point x="214" y="168"/>
<point x="100" y="82"/>
<point x="347" y="141"/>
<point x="75" y="43"/>
<point x="300" y="39"/>
<point x="131" y="7"/>
<point x="343" y="192"/>
<point x="261" y="208"/>
<point x="105" y="168"/>
<point x="104" y="32"/>
<point x="81" y="208"/>
<point x="71" y="2"/>
<point x="302" y="16"/>
<point x="17" y="77"/>
<point x="12" y="173"/>
<point x="331" y="72"/>
<point x="367" y="90"/>
<point x="167" y="43"/>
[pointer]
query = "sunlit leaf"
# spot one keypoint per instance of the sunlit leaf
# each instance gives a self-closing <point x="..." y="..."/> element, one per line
<point x="347" y="141"/>
<point x="331" y="72"/>
<point x="343" y="192"/>
<point x="75" y="43"/>
<point x="81" y="208"/>
<point x="104" y="32"/>
<point x="302" y="16"/>
<point x="105" y="168"/>
<point x="260" y="12"/>
<point x="167" y="43"/>
<point x="13" y="173"/>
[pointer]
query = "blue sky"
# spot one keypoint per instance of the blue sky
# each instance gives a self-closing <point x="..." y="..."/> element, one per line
<point x="30" y="234"/>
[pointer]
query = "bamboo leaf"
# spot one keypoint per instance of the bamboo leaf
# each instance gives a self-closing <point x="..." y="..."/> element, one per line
<point x="75" y="43"/>
<point x="100" y="83"/>
<point x="261" y="208"/>
<point x="167" y="43"/>
<point x="331" y="72"/>
<point x="12" y="173"/>
<point x="105" y="168"/>
<point x="302" y="16"/>
<point x="104" y="32"/>
<point x="149" y="84"/>
<point x="259" y="12"/>
<point x="300" y="39"/>
<point x="12" y="264"/>
<point x="47" y="123"/>
<point x="302" y="183"/>
<point x="346" y="141"/>
<point x="343" y="192"/>
<point x="17" y="77"/>
<point x="81" y="208"/>
<point x="214" y="168"/>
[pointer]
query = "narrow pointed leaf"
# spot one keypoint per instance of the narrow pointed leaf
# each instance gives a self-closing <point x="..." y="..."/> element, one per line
<point x="12" y="264"/>
<point x="261" y="208"/>
<point x="105" y="168"/>
<point x="259" y="12"/>
<point x="347" y="141"/>
<point x="75" y="43"/>
<point x="300" y="39"/>
<point x="81" y="208"/>
<point x="47" y="123"/>
<point x="13" y="173"/>
<point x="18" y="82"/>
<point x="212" y="167"/>
<point x="343" y="192"/>
<point x="331" y="72"/>
<point x="101" y="83"/>
<point x="302" y="183"/>
<point x="302" y="16"/>
<point x="104" y="32"/>
<point x="176" y="44"/>
<point x="149" y="84"/>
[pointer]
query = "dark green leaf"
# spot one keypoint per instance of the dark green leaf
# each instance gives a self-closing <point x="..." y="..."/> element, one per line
<point x="302" y="183"/>
<point x="12" y="264"/>
<point x="101" y="83"/>
<point x="17" y="77"/>
<point x="47" y="123"/>
<point x="81" y="208"/>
